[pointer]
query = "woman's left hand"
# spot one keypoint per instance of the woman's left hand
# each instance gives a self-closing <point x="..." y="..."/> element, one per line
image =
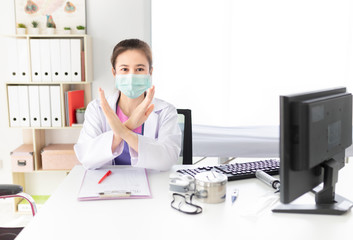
<point x="142" y="112"/>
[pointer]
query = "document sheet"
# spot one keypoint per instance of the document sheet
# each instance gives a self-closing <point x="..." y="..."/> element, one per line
<point x="124" y="182"/>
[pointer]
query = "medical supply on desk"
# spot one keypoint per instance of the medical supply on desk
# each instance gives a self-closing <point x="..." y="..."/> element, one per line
<point x="234" y="195"/>
<point x="210" y="187"/>
<point x="183" y="203"/>
<point x="181" y="183"/>
<point x="269" y="180"/>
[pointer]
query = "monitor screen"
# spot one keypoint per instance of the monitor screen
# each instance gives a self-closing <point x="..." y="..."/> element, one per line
<point x="315" y="130"/>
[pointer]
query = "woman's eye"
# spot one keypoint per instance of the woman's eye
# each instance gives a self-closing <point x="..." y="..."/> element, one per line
<point x="140" y="69"/>
<point x="124" y="69"/>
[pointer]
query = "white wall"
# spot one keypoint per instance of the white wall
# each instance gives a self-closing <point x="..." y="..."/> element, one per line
<point x="108" y="22"/>
<point x="229" y="60"/>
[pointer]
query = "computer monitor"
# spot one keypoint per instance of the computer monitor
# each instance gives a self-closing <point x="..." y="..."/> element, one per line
<point x="315" y="130"/>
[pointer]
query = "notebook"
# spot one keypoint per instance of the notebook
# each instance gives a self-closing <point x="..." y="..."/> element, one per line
<point x="122" y="183"/>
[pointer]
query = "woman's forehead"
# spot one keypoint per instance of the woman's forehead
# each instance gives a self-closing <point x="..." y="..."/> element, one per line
<point x="131" y="58"/>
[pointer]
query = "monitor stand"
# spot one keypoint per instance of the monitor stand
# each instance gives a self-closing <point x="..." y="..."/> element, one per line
<point x="339" y="207"/>
<point x="327" y="202"/>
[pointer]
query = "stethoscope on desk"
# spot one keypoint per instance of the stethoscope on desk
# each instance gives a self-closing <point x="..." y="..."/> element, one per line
<point x="183" y="203"/>
<point x="190" y="208"/>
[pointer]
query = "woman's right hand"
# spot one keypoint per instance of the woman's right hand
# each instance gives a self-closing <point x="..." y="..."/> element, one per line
<point x="142" y="112"/>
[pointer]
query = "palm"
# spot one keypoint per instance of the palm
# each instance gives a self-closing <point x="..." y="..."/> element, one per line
<point x="107" y="110"/>
<point x="143" y="110"/>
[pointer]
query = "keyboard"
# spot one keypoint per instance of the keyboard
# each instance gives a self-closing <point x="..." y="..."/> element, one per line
<point x="238" y="171"/>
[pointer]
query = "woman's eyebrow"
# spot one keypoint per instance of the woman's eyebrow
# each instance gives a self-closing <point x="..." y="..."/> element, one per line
<point x="140" y="65"/>
<point x="123" y="65"/>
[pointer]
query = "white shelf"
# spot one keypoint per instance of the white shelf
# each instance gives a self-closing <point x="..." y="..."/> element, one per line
<point x="36" y="135"/>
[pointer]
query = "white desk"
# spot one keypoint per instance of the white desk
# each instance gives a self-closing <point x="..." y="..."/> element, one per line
<point x="63" y="217"/>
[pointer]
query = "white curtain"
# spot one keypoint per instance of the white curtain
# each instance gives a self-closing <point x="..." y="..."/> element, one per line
<point x="229" y="61"/>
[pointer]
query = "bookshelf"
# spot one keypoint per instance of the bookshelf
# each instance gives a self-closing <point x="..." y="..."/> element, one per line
<point x="36" y="135"/>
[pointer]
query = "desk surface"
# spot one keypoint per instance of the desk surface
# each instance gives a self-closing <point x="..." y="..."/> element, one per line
<point x="63" y="217"/>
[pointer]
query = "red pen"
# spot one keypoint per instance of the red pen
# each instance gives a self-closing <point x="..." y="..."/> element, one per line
<point x="105" y="175"/>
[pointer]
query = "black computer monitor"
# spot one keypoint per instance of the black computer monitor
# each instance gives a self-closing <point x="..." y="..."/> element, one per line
<point x="315" y="130"/>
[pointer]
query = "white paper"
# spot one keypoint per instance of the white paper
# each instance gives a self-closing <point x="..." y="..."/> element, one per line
<point x="127" y="179"/>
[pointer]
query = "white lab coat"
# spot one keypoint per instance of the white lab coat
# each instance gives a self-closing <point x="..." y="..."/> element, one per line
<point x="158" y="148"/>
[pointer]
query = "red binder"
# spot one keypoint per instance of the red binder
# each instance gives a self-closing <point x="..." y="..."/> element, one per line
<point x="75" y="99"/>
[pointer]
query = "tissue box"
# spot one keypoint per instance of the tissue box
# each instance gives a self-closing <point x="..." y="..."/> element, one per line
<point x="22" y="158"/>
<point x="59" y="157"/>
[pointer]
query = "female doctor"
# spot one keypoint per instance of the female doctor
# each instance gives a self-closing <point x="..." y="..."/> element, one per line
<point x="131" y="127"/>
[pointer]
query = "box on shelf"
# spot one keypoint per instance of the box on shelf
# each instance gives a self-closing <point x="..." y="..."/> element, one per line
<point x="59" y="157"/>
<point x="22" y="158"/>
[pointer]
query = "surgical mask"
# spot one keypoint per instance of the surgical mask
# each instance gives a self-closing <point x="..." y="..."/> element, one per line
<point x="133" y="85"/>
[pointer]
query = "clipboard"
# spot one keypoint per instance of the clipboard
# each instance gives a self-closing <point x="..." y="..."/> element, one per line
<point x="122" y="183"/>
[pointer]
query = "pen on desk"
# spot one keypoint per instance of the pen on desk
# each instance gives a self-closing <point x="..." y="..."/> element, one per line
<point x="234" y="195"/>
<point x="105" y="175"/>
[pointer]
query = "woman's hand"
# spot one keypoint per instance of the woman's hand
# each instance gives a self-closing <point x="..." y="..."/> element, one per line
<point x="142" y="112"/>
<point x="137" y="118"/>
<point x="113" y="120"/>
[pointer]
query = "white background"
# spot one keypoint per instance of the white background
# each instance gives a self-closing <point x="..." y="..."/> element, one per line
<point x="229" y="60"/>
